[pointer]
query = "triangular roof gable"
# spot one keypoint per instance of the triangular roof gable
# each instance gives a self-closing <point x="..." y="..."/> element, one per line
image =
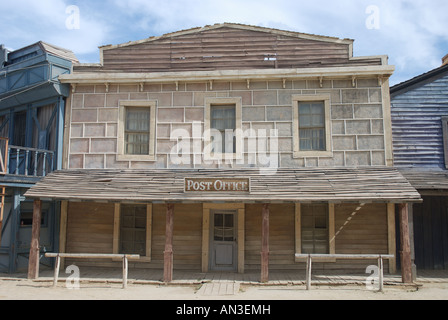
<point x="235" y="26"/>
<point x="230" y="46"/>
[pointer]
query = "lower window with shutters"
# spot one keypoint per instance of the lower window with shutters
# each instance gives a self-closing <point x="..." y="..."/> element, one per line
<point x="314" y="226"/>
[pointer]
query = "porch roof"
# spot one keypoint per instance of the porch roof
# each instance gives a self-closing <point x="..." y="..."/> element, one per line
<point x="379" y="184"/>
<point x="433" y="179"/>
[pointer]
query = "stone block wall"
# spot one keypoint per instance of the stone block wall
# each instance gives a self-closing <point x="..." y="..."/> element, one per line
<point x="357" y="124"/>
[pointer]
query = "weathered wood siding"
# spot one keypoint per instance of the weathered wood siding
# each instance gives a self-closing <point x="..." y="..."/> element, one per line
<point x="90" y="229"/>
<point x="360" y="230"/>
<point x="281" y="237"/>
<point x="431" y="233"/>
<point x="417" y="124"/>
<point x="228" y="48"/>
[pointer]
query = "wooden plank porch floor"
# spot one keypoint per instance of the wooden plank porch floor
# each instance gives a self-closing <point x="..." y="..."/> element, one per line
<point x="186" y="277"/>
<point x="285" y="277"/>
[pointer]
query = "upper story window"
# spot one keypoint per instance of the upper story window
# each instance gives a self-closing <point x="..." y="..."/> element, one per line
<point x="136" y="130"/>
<point x="137" y="133"/>
<point x="223" y="136"/>
<point x="223" y="122"/>
<point x="312" y="126"/>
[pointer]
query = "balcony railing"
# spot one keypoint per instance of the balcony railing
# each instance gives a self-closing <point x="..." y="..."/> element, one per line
<point x="21" y="161"/>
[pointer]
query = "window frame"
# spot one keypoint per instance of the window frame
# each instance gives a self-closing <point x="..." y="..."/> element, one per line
<point x="123" y="105"/>
<point x="296" y="100"/>
<point x="117" y="230"/>
<point x="209" y="103"/>
<point x="133" y="229"/>
<point x="330" y="230"/>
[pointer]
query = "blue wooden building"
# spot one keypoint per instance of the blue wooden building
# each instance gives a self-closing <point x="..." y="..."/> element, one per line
<point x="32" y="104"/>
<point x="420" y="142"/>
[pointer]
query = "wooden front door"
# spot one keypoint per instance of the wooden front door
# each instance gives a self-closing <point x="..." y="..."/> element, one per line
<point x="223" y="239"/>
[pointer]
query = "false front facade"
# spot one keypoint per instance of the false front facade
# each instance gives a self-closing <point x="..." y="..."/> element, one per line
<point x="229" y="148"/>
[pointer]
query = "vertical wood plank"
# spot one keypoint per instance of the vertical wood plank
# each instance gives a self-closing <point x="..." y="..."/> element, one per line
<point x="116" y="236"/>
<point x="63" y="230"/>
<point x="265" y="244"/>
<point x="148" y="231"/>
<point x="298" y="228"/>
<point x="33" y="268"/>
<point x="241" y="243"/>
<point x="168" y="253"/>
<point x="391" y="237"/>
<point x="406" y="265"/>
<point x="331" y="230"/>
<point x="205" y="238"/>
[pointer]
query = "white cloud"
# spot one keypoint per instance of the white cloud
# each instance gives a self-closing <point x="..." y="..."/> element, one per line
<point x="26" y="21"/>
<point x="413" y="33"/>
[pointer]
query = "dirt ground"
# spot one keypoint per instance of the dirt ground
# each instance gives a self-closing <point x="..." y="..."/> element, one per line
<point x="29" y="290"/>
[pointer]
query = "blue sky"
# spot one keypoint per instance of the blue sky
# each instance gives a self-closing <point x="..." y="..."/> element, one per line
<point x="414" y="34"/>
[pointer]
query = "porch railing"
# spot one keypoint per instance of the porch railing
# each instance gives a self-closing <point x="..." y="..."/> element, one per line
<point x="124" y="257"/>
<point x="26" y="161"/>
<point x="325" y="258"/>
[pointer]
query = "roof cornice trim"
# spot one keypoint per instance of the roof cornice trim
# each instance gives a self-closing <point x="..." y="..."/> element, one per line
<point x="383" y="71"/>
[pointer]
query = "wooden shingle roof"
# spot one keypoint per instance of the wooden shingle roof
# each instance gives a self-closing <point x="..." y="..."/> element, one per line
<point x="427" y="179"/>
<point x="285" y="185"/>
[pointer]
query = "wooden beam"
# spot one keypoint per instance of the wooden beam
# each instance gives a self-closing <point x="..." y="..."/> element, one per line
<point x="331" y="228"/>
<point x="265" y="244"/>
<point x="405" y="252"/>
<point x="63" y="230"/>
<point x="2" y="205"/>
<point x="33" y="267"/>
<point x="391" y="237"/>
<point x="241" y="242"/>
<point x="168" y="253"/>
<point x="205" y="237"/>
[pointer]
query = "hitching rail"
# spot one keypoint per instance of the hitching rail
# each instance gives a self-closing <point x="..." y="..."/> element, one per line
<point x="322" y="257"/>
<point x="123" y="257"/>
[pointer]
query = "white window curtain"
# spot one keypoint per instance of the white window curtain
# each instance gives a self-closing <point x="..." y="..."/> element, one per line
<point x="137" y="131"/>
<point x="312" y="126"/>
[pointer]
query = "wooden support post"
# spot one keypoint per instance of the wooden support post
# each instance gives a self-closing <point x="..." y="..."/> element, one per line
<point x="265" y="244"/>
<point x="381" y="274"/>
<point x="168" y="253"/>
<point x="405" y="252"/>
<point x="33" y="267"/>
<point x="308" y="272"/>
<point x="125" y="272"/>
<point x="56" y="270"/>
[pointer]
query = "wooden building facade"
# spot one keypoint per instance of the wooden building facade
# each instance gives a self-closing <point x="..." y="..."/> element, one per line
<point x="229" y="148"/>
<point x="32" y="110"/>
<point x="420" y="137"/>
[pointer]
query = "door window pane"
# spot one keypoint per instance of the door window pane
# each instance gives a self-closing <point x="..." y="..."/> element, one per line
<point x="223" y="227"/>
